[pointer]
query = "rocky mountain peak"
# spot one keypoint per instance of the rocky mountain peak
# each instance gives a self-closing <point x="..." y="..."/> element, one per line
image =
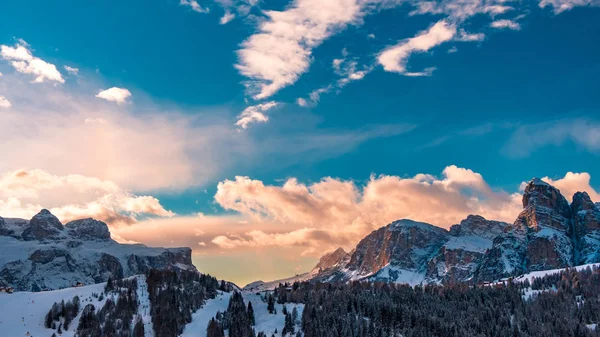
<point x="43" y="225"/>
<point x="582" y="202"/>
<point x="540" y="194"/>
<point x="544" y="206"/>
<point x="333" y="259"/>
<point x="89" y="228"/>
<point x="3" y="228"/>
<point x="478" y="226"/>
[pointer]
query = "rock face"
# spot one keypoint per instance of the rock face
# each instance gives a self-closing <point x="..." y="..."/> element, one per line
<point x="43" y="254"/>
<point x="3" y="228"/>
<point x="89" y="229"/>
<point x="548" y="234"/>
<point x="586" y="228"/>
<point x="42" y="226"/>
<point x="333" y="260"/>
<point x="460" y="256"/>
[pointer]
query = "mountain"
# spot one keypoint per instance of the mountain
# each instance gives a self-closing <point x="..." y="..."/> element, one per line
<point x="42" y="253"/>
<point x="549" y="233"/>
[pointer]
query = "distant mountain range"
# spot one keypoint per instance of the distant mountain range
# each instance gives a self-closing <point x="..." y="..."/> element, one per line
<point x="548" y="234"/>
<point x="42" y="253"/>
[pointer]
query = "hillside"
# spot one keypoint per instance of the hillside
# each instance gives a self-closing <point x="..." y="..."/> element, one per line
<point x="42" y="253"/>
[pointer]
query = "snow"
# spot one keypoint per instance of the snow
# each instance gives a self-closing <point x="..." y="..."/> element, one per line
<point x="264" y="321"/>
<point x="407" y="223"/>
<point x="51" y="275"/>
<point x="470" y="243"/>
<point x="260" y="286"/>
<point x="395" y="274"/>
<point x="543" y="273"/>
<point x="200" y="319"/>
<point x="23" y="312"/>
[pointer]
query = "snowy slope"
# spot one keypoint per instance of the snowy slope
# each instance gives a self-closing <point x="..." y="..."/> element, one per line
<point x="23" y="312"/>
<point x="264" y="321"/>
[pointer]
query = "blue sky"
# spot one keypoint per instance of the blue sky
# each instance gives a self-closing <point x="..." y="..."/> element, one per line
<point x="466" y="98"/>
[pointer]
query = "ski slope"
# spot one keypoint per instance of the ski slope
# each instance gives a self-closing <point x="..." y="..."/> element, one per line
<point x="264" y="321"/>
<point x="23" y="312"/>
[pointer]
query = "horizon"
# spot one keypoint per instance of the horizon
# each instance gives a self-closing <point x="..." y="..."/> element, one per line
<point x="262" y="134"/>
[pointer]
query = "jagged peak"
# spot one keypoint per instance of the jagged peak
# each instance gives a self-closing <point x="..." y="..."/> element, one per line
<point x="407" y="223"/>
<point x="89" y="228"/>
<point x="539" y="182"/>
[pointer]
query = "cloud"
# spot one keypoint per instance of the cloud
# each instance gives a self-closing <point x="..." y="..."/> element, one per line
<point x="560" y="6"/>
<point x="72" y="70"/>
<point x="426" y="72"/>
<point x="4" y="102"/>
<point x="65" y="130"/>
<point x="463" y="36"/>
<point x="333" y="211"/>
<point x="114" y="94"/>
<point x="280" y="51"/>
<point x="505" y="24"/>
<point x="528" y="138"/>
<point x="226" y="18"/>
<point x="394" y="58"/>
<point x="21" y="58"/>
<point x="194" y="5"/>
<point x="572" y="183"/>
<point x="494" y="10"/>
<point x="255" y="114"/>
<point x="24" y="192"/>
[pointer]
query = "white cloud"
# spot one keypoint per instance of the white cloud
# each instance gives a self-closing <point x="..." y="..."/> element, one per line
<point x="303" y="102"/>
<point x="255" y="114"/>
<point x="114" y="94"/>
<point x="280" y="51"/>
<point x="505" y="24"/>
<point x="463" y="36"/>
<point x="4" y="102"/>
<point x="494" y="10"/>
<point x="394" y="58"/>
<point x="65" y="130"/>
<point x="194" y="5"/>
<point x="426" y="72"/>
<point x="528" y="138"/>
<point x="72" y="70"/>
<point x="21" y="58"/>
<point x="572" y="183"/>
<point x="226" y="18"/>
<point x="560" y="6"/>
<point x="24" y="192"/>
<point x="383" y="199"/>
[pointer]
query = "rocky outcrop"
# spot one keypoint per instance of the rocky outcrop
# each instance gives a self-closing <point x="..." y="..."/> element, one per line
<point x="548" y="234"/>
<point x="3" y="228"/>
<point x="88" y="229"/>
<point x="42" y="255"/>
<point x="337" y="258"/>
<point x="460" y="256"/>
<point x="586" y="228"/>
<point x="403" y="247"/>
<point x="43" y="226"/>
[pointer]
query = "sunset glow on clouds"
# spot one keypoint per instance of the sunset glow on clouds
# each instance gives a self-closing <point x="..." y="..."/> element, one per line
<point x="267" y="133"/>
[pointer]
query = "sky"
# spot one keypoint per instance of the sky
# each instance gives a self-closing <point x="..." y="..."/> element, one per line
<point x="263" y="134"/>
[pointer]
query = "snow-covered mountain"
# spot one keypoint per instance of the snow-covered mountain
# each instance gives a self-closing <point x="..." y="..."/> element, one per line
<point x="41" y="253"/>
<point x="548" y="234"/>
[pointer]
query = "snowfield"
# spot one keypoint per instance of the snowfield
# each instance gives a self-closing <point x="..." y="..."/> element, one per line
<point x="23" y="312"/>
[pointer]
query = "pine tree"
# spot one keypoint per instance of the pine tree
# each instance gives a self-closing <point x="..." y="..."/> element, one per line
<point x="270" y="304"/>
<point x="251" y="317"/>
<point x="214" y="329"/>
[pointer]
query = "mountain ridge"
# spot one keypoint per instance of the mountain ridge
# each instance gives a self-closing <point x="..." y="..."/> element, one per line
<point x="42" y="253"/>
<point x="549" y="233"/>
